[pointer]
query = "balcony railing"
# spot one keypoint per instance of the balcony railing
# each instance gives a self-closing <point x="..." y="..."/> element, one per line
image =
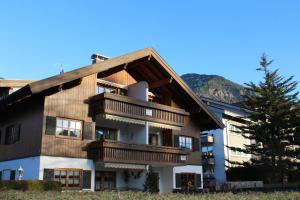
<point x="208" y="161"/>
<point x="113" y="151"/>
<point x="129" y="107"/>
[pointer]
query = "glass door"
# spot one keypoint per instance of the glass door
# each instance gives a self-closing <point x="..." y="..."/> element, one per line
<point x="105" y="181"/>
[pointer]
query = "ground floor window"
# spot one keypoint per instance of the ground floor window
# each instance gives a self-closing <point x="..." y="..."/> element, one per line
<point x="105" y="180"/>
<point x="69" y="178"/>
<point x="188" y="180"/>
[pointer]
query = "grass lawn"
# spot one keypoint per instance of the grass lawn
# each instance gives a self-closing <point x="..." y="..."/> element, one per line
<point x="14" y="195"/>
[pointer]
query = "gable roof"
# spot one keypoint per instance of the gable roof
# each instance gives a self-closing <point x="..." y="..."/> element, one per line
<point x="104" y="66"/>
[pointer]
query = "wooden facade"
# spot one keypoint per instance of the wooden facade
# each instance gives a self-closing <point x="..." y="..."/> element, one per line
<point x="73" y="96"/>
<point x="70" y="103"/>
<point x="29" y="118"/>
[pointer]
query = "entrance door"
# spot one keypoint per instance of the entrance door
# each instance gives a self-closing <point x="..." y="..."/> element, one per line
<point x="105" y="180"/>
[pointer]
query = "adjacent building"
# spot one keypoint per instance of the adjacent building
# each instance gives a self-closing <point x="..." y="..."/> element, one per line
<point x="101" y="126"/>
<point x="215" y="143"/>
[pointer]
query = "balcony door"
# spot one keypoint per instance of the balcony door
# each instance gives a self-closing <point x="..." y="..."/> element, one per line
<point x="105" y="180"/>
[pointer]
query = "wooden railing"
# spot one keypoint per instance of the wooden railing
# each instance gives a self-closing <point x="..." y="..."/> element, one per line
<point x="112" y="151"/>
<point x="137" y="109"/>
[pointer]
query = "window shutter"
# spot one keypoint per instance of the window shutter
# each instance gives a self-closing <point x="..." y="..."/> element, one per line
<point x="196" y="144"/>
<point x="88" y="131"/>
<point x="178" y="180"/>
<point x="86" y="179"/>
<point x="48" y="174"/>
<point x="50" y="125"/>
<point x="198" y="181"/>
<point x="17" y="133"/>
<point x="0" y="175"/>
<point x="12" y="174"/>
<point x="176" y="140"/>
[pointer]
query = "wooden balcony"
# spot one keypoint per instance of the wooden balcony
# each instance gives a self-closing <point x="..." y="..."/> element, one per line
<point x="128" y="107"/>
<point x="113" y="151"/>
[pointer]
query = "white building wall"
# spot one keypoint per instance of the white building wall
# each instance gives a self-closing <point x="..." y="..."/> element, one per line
<point x="187" y="169"/>
<point x="220" y="154"/>
<point x="137" y="183"/>
<point x="138" y="90"/>
<point x="50" y="162"/>
<point x="30" y="166"/>
<point x="165" y="179"/>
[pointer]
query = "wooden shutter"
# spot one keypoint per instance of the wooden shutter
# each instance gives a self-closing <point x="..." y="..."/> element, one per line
<point x="198" y="180"/>
<point x="196" y="144"/>
<point x="88" y="131"/>
<point x="0" y="175"/>
<point x="167" y="137"/>
<point x="86" y="179"/>
<point x="12" y="174"/>
<point x="178" y="180"/>
<point x="17" y="133"/>
<point x="48" y="174"/>
<point x="50" y="125"/>
<point x="176" y="140"/>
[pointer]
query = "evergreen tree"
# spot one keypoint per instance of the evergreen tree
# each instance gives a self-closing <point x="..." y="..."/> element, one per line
<point x="272" y="125"/>
<point x="151" y="183"/>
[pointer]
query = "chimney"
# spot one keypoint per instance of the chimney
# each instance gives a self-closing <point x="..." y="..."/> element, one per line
<point x="98" y="58"/>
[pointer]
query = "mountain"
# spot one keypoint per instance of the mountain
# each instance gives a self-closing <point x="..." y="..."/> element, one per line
<point x="215" y="87"/>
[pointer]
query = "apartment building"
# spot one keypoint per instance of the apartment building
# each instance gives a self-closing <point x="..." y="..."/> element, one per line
<point x="100" y="127"/>
<point x="215" y="151"/>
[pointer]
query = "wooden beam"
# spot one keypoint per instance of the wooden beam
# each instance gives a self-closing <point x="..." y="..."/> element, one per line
<point x="160" y="83"/>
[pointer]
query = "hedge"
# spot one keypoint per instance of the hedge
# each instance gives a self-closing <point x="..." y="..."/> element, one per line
<point x="31" y="185"/>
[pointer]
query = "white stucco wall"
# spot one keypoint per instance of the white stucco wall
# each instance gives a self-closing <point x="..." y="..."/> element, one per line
<point x="165" y="179"/>
<point x="30" y="166"/>
<point x="138" y="90"/>
<point x="220" y="154"/>
<point x="187" y="169"/>
<point x="63" y="162"/>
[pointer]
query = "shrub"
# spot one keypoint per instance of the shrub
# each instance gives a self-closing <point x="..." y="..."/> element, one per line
<point x="1" y="184"/>
<point x="151" y="183"/>
<point x="51" y="185"/>
<point x="17" y="185"/>
<point x="36" y="185"/>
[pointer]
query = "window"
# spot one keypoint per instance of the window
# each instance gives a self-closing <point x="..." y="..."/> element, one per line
<point x="233" y="129"/>
<point x="207" y="149"/>
<point x="12" y="175"/>
<point x="185" y="142"/>
<point x="68" y="128"/>
<point x="69" y="178"/>
<point x="187" y="180"/>
<point x="106" y="89"/>
<point x="12" y="134"/>
<point x="101" y="89"/>
<point x="237" y="153"/>
<point x="106" y="133"/>
<point x="153" y="139"/>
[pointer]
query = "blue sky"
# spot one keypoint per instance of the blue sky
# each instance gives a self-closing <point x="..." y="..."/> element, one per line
<point x="206" y="37"/>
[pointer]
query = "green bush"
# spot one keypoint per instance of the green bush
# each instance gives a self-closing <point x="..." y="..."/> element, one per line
<point x="51" y="185"/>
<point x="1" y="184"/>
<point x="17" y="185"/>
<point x="36" y="185"/>
<point x="151" y="183"/>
